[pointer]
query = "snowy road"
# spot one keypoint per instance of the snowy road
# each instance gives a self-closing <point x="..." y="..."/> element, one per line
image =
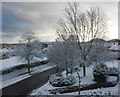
<point x="17" y="75"/>
<point x="22" y="85"/>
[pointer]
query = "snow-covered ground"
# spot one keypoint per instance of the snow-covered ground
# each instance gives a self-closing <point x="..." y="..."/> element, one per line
<point x="15" y="61"/>
<point x="17" y="75"/>
<point x="85" y="80"/>
<point x="11" y="62"/>
<point x="99" y="91"/>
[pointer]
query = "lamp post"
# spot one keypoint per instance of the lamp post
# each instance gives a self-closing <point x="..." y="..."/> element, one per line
<point x="79" y="81"/>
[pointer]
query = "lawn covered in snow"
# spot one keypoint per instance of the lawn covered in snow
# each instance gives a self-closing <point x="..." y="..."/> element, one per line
<point x="88" y="79"/>
<point x="15" y="61"/>
<point x="11" y="62"/>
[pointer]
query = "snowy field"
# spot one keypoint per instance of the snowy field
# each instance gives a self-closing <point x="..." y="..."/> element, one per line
<point x="11" y="62"/>
<point x="15" y="61"/>
<point x="85" y="80"/>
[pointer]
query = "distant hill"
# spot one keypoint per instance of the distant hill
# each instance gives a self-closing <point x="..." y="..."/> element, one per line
<point x="114" y="41"/>
<point x="109" y="41"/>
<point x="98" y="40"/>
<point x="12" y="46"/>
<point x="45" y="44"/>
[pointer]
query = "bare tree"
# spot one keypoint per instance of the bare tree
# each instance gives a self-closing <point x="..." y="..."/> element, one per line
<point x="63" y="55"/>
<point x="29" y="48"/>
<point x="56" y="55"/>
<point x="71" y="53"/>
<point x="86" y="27"/>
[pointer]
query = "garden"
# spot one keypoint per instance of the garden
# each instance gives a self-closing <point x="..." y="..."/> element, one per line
<point x="98" y="78"/>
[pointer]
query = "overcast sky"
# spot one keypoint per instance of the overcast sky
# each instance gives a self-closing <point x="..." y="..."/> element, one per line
<point x="41" y="18"/>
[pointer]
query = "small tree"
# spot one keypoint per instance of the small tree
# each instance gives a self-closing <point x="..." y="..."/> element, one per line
<point x="29" y="48"/>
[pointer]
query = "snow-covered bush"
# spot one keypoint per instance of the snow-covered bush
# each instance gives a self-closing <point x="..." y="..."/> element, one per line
<point x="113" y="71"/>
<point x="59" y="80"/>
<point x="100" y="72"/>
<point x="53" y="77"/>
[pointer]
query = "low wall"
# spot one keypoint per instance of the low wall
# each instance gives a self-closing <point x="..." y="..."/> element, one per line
<point x="25" y="86"/>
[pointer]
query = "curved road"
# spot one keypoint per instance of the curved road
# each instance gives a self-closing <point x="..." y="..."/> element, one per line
<point x="27" y="85"/>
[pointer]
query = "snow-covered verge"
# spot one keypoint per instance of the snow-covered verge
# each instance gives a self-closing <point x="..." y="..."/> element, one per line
<point x="99" y="91"/>
<point x="87" y="80"/>
<point x="7" y="80"/>
<point x="16" y="61"/>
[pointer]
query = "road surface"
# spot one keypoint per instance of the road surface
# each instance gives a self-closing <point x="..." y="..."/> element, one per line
<point x="25" y="86"/>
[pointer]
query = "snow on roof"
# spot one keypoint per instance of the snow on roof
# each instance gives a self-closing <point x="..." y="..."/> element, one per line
<point x="115" y="47"/>
<point x="4" y="50"/>
<point x="113" y="63"/>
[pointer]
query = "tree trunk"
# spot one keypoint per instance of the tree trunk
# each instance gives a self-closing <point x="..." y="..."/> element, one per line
<point x="66" y="70"/>
<point x="84" y="70"/>
<point x="28" y="67"/>
<point x="71" y="70"/>
<point x="57" y="69"/>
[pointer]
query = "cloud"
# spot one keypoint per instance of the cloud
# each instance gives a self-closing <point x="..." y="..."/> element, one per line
<point x="33" y="12"/>
<point x="41" y="17"/>
<point x="11" y="37"/>
<point x="29" y="16"/>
